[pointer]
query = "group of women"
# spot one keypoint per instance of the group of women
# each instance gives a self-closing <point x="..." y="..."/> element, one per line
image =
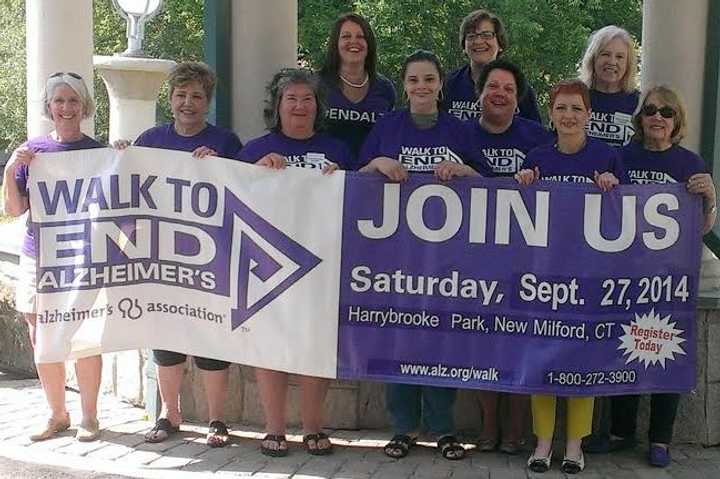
<point x="481" y="120"/>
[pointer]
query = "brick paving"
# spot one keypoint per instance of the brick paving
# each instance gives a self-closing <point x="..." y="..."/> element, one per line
<point x="358" y="454"/>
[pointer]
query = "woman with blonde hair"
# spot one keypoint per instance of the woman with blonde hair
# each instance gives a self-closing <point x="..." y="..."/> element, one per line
<point x="609" y="69"/>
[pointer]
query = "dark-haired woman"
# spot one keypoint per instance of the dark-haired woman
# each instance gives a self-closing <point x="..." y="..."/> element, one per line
<point x="483" y="39"/>
<point x="426" y="140"/>
<point x="293" y="113"/>
<point x="356" y="94"/>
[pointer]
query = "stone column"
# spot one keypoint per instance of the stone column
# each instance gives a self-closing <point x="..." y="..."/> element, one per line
<point x="673" y="52"/>
<point x="133" y="86"/>
<point x="59" y="38"/>
<point x="264" y="39"/>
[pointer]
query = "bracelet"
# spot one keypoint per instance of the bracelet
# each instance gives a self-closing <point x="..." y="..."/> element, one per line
<point x="711" y="210"/>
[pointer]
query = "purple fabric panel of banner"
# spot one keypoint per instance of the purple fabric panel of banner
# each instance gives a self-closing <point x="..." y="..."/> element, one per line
<point x="556" y="288"/>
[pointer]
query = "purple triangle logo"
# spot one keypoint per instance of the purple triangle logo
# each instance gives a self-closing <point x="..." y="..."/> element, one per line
<point x="269" y="262"/>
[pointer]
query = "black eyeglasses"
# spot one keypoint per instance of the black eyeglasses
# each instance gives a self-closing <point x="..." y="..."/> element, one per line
<point x="665" y="111"/>
<point x="484" y="35"/>
<point x="72" y="74"/>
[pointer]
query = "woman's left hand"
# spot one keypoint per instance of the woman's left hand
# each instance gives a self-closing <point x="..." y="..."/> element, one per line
<point x="329" y="168"/>
<point x="606" y="181"/>
<point x="446" y="170"/>
<point x="702" y="184"/>
<point x="202" y="152"/>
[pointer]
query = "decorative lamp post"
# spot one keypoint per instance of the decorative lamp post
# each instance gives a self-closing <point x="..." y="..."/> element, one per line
<point x="137" y="13"/>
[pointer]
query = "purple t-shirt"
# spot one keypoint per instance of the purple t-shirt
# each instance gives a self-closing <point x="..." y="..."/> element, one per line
<point x="461" y="101"/>
<point x="351" y="122"/>
<point x="506" y="151"/>
<point x="611" y="116"/>
<point x="674" y="165"/>
<point x="314" y="152"/>
<point x="396" y="136"/>
<point x="45" y="144"/>
<point x="225" y="142"/>
<point x="578" y="167"/>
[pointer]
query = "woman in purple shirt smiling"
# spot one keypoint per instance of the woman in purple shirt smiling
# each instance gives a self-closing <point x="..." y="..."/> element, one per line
<point x="609" y="69"/>
<point x="293" y="114"/>
<point x="66" y="102"/>
<point x="356" y="94"/>
<point x="656" y="157"/>
<point x="574" y="158"/>
<point x="425" y="140"/>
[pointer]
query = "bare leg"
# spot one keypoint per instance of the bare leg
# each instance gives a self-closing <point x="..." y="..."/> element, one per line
<point x="216" y="384"/>
<point x="169" y="383"/>
<point x="272" y="386"/>
<point x="88" y="372"/>
<point x="312" y="398"/>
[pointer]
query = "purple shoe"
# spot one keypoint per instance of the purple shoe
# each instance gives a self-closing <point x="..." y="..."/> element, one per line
<point x="659" y="456"/>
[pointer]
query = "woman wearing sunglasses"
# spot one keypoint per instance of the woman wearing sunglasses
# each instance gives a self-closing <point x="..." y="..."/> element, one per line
<point x="66" y="102"/>
<point x="656" y="157"/>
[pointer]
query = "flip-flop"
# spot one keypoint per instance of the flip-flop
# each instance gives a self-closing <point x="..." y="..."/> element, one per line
<point x="162" y="430"/>
<point x="218" y="434"/>
<point x="399" y="446"/>
<point x="317" y="450"/>
<point x="278" y="439"/>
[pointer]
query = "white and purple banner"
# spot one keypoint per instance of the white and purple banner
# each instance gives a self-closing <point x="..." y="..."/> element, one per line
<point x="474" y="283"/>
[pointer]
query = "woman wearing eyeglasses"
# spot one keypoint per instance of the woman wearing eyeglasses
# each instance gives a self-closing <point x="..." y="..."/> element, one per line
<point x="574" y="158"/>
<point x="609" y="69"/>
<point x="482" y="39"/>
<point x="66" y="102"/>
<point x="357" y="96"/>
<point x="656" y="157"/>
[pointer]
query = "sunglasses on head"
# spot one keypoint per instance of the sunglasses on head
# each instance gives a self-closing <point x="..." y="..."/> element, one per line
<point x="665" y="111"/>
<point x="72" y="74"/>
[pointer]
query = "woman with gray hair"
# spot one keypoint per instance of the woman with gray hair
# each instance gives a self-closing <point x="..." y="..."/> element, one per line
<point x="66" y="102"/>
<point x="293" y="114"/>
<point x="656" y="157"/>
<point x="609" y="69"/>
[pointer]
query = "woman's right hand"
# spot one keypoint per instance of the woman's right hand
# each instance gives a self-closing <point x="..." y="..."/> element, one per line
<point x="393" y="169"/>
<point x="120" y="144"/>
<point x="272" y="161"/>
<point x="21" y="156"/>
<point x="527" y="176"/>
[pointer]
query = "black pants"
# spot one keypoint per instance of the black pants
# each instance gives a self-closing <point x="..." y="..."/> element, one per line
<point x="663" y="409"/>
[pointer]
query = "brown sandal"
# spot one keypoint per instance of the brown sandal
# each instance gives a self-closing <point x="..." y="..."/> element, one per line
<point x="53" y="427"/>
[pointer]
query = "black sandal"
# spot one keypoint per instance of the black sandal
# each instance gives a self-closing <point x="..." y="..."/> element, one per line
<point x="399" y="446"/>
<point x="278" y="439"/>
<point x="317" y="450"/>
<point x="162" y="430"/>
<point x="218" y="434"/>
<point x="450" y="448"/>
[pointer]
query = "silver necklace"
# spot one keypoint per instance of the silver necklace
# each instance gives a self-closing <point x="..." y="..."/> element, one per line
<point x="355" y="85"/>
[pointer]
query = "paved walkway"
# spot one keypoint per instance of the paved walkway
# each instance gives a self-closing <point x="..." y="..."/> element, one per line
<point x="121" y="451"/>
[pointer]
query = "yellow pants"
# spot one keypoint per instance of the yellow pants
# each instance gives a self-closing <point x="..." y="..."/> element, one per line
<point x="579" y="416"/>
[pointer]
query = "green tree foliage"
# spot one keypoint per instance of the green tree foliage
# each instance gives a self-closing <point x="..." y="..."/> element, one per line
<point x="12" y="81"/>
<point x="547" y="37"/>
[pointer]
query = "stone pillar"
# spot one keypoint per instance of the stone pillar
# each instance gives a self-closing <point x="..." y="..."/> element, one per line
<point x="673" y="52"/>
<point x="59" y="38"/>
<point x="133" y="86"/>
<point x="264" y="39"/>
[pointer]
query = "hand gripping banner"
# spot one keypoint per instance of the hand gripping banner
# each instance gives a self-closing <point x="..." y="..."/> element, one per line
<point x="475" y="283"/>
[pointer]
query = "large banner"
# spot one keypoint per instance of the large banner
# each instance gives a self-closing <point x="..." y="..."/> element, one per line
<point x="475" y="283"/>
